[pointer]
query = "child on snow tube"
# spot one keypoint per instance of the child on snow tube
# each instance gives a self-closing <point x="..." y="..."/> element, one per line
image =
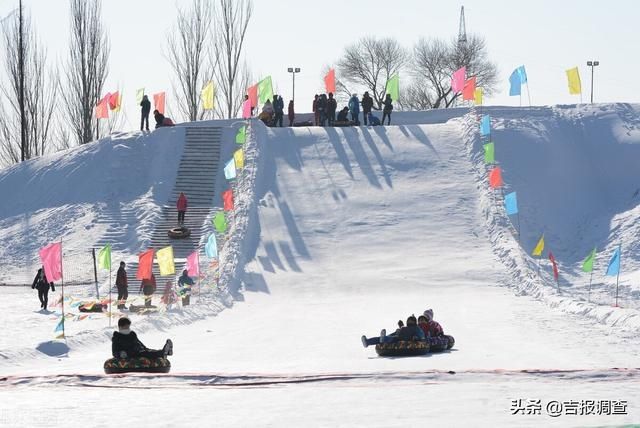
<point x="434" y="333"/>
<point x="410" y="332"/>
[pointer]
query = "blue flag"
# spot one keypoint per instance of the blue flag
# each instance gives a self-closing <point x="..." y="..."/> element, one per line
<point x="211" y="248"/>
<point x="60" y="326"/>
<point x="230" y="169"/>
<point x="523" y="74"/>
<point x="485" y="125"/>
<point x="614" y="263"/>
<point x="511" y="203"/>
<point x="515" y="82"/>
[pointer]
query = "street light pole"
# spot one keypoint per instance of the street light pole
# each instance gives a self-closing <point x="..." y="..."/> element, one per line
<point x="293" y="71"/>
<point x="592" y="64"/>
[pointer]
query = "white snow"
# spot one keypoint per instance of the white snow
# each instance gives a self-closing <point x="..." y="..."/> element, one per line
<point x="354" y="229"/>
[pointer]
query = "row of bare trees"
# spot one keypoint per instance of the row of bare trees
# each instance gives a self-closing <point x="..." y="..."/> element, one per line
<point x="370" y="62"/>
<point x="205" y="45"/>
<point x="41" y="110"/>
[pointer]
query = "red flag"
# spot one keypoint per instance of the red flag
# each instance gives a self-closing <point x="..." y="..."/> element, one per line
<point x="253" y="95"/>
<point x="330" y="81"/>
<point x="51" y="258"/>
<point x="145" y="263"/>
<point x="102" y="109"/>
<point x="158" y="102"/>
<point x="114" y="100"/>
<point x="555" y="265"/>
<point x="469" y="90"/>
<point x="495" y="178"/>
<point x="227" y="198"/>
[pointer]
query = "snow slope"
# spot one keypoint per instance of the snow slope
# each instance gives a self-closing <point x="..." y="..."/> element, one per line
<point x="355" y="229"/>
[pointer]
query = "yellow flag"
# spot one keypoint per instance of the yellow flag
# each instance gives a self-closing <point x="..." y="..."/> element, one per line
<point x="207" y="96"/>
<point x="165" y="261"/>
<point x="575" y="88"/>
<point x="539" y="247"/>
<point x="477" y="95"/>
<point x="238" y="157"/>
<point x="139" y="95"/>
<point x="118" y="102"/>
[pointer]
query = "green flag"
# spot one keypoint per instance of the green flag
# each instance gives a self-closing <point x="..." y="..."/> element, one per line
<point x="587" y="264"/>
<point x="489" y="153"/>
<point x="241" y="136"/>
<point x="104" y="257"/>
<point x="220" y="222"/>
<point x="139" y="95"/>
<point x="393" y="87"/>
<point x="265" y="90"/>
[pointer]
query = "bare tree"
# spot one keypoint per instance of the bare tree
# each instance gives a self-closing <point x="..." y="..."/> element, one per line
<point x="370" y="62"/>
<point x="30" y="88"/>
<point x="87" y="68"/>
<point x="187" y="44"/>
<point x="231" y="22"/>
<point x="435" y="60"/>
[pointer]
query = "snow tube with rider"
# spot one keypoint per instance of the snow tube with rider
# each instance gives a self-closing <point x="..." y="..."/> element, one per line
<point x="89" y="307"/>
<point x="402" y="348"/>
<point x="179" y="233"/>
<point x="440" y="343"/>
<point x="139" y="364"/>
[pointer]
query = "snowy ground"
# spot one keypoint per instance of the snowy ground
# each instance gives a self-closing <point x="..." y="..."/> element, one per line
<point x="358" y="228"/>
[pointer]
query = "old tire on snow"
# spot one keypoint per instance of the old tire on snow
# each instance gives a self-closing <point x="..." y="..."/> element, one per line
<point x="179" y="233"/>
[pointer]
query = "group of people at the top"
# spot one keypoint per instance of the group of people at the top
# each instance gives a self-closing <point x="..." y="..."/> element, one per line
<point x="423" y="328"/>
<point x="324" y="110"/>
<point x="160" y="119"/>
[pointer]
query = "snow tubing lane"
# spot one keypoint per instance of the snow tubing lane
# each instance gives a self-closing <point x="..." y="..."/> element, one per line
<point x="403" y="348"/>
<point x="140" y="364"/>
<point x="179" y="233"/>
<point x="441" y="343"/>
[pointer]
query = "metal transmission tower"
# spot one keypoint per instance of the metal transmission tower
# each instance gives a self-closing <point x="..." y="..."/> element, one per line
<point x="462" y="30"/>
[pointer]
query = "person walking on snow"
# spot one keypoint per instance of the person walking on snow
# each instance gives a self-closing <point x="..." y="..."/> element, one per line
<point x="291" y="113"/>
<point x="181" y="205"/>
<point x="367" y="105"/>
<point x="122" y="284"/>
<point x="184" y="287"/>
<point x="146" y="109"/>
<point x="386" y="110"/>
<point x="354" y="108"/>
<point x="125" y="344"/>
<point x="41" y="284"/>
<point x="148" y="287"/>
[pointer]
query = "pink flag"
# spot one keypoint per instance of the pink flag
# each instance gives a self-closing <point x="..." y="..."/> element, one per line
<point x="114" y="100"/>
<point x="330" y="81"/>
<point x="457" y="80"/>
<point x="102" y="109"/>
<point x="51" y="257"/>
<point x="246" y="109"/>
<point x="193" y="264"/>
<point x="253" y="95"/>
<point x="158" y="102"/>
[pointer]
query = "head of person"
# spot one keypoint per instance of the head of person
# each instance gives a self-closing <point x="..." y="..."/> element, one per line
<point x="145" y="98"/>
<point x="246" y="97"/>
<point x="345" y="109"/>
<point x="315" y="97"/>
<point x="156" y="112"/>
<point x="290" y="102"/>
<point x="366" y="94"/>
<point x="422" y="319"/>
<point x="122" y="264"/>
<point x="412" y="320"/>
<point x="330" y="94"/>
<point x="388" y="97"/>
<point x="185" y="273"/>
<point x="428" y="314"/>
<point x="124" y="324"/>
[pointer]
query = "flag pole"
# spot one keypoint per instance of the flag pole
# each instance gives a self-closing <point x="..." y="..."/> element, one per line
<point x="590" y="280"/>
<point x="618" y="276"/>
<point x="528" y="93"/>
<point x="62" y="292"/>
<point x="518" y="218"/>
<point x="110" y="298"/>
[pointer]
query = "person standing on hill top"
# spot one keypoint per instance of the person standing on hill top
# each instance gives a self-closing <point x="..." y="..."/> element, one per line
<point x="314" y="108"/>
<point x="41" y="284"/>
<point x="181" y="205"/>
<point x="322" y="109"/>
<point x="291" y="113"/>
<point x="367" y="105"/>
<point x="354" y="108"/>
<point x="278" y="108"/>
<point x="146" y="109"/>
<point x="386" y="110"/>
<point x="122" y="284"/>
<point x="332" y="106"/>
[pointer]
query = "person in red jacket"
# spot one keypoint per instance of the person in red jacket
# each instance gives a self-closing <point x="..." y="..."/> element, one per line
<point x="181" y="205"/>
<point x="433" y="327"/>
<point x="291" y="113"/>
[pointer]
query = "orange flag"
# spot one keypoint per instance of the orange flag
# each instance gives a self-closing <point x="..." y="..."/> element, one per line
<point x="227" y="198"/>
<point x="158" y="102"/>
<point x="495" y="178"/>
<point x="145" y="263"/>
<point x="468" y="92"/>
<point x="114" y="100"/>
<point x="253" y="95"/>
<point x="102" y="109"/>
<point x="330" y="81"/>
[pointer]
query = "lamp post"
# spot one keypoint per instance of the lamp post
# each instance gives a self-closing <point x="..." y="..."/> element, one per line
<point x="293" y="71"/>
<point x="592" y="64"/>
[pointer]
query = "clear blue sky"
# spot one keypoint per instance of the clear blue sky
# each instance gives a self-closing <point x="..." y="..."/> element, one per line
<point x="546" y="36"/>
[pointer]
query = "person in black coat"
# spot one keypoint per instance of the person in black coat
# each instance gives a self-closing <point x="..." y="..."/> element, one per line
<point x="125" y="344"/>
<point x="278" y="108"/>
<point x="367" y="105"/>
<point x="343" y="115"/>
<point x="321" y="106"/>
<point x="146" y="108"/>
<point x="159" y="117"/>
<point x="386" y="110"/>
<point x="41" y="284"/>
<point x="122" y="284"/>
<point x="332" y="106"/>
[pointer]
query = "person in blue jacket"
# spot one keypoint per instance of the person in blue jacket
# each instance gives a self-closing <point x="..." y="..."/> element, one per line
<point x="184" y="284"/>
<point x="354" y="108"/>
<point x="373" y="120"/>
